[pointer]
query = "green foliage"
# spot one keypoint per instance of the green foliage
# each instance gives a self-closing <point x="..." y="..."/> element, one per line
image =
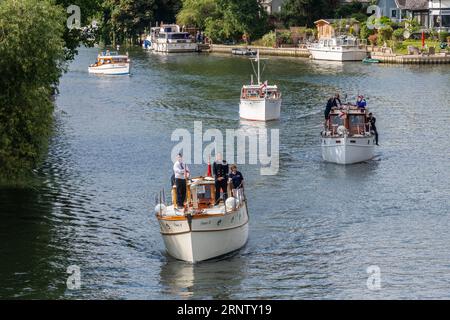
<point x="443" y="35"/>
<point x="412" y="25"/>
<point x="195" y="12"/>
<point x="385" y="33"/>
<point x="365" y="32"/>
<point x="126" y="19"/>
<point x="73" y="38"/>
<point x="397" y="35"/>
<point x="355" y="9"/>
<point x="305" y="12"/>
<point x="235" y="18"/>
<point x="32" y="60"/>
<point x="269" y="39"/>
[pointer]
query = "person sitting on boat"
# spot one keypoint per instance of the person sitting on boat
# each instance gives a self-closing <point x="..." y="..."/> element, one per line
<point x="361" y="102"/>
<point x="237" y="180"/>
<point x="181" y="171"/>
<point x="372" y="121"/>
<point x="220" y="170"/>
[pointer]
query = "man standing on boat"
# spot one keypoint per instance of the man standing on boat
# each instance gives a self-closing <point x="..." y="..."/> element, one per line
<point x="220" y="170"/>
<point x="332" y="102"/>
<point x="372" y="120"/>
<point x="181" y="171"/>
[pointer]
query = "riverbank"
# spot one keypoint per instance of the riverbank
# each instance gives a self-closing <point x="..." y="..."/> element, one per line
<point x="440" y="58"/>
<point x="287" y="52"/>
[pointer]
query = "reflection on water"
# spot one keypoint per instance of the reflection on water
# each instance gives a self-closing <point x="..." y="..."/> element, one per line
<point x="191" y="281"/>
<point x="314" y="228"/>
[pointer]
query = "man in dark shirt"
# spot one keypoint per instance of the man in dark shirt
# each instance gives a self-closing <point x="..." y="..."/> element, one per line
<point x="220" y="170"/>
<point x="237" y="180"/>
<point x="372" y="120"/>
<point x="332" y="102"/>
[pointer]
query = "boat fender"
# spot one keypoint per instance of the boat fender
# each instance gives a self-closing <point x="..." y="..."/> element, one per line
<point x="341" y="130"/>
<point x="231" y="203"/>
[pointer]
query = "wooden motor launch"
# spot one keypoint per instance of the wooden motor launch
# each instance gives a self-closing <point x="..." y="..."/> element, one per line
<point x="111" y="63"/>
<point x="203" y="230"/>
<point x="348" y="137"/>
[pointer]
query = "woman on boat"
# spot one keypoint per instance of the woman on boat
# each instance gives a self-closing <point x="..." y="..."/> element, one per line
<point x="361" y="102"/>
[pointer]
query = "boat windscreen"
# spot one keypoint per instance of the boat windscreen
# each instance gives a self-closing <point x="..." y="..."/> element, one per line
<point x="178" y="36"/>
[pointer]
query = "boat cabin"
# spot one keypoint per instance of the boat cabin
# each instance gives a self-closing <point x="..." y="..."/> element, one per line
<point x="170" y="33"/>
<point x="260" y="92"/>
<point x="352" y="118"/>
<point x="107" y="57"/>
<point x="343" y="41"/>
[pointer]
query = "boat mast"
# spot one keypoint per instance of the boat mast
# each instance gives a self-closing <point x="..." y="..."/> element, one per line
<point x="259" y="71"/>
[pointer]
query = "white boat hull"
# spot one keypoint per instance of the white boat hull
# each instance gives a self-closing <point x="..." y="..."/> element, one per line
<point x="260" y="109"/>
<point x="174" y="47"/>
<point x="347" y="150"/>
<point x="335" y="54"/>
<point x="207" y="238"/>
<point x="111" y="69"/>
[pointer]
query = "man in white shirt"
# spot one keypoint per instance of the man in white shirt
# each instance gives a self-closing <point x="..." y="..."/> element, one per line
<point x="181" y="171"/>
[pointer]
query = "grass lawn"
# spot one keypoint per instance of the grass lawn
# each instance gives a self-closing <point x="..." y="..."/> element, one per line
<point x="402" y="48"/>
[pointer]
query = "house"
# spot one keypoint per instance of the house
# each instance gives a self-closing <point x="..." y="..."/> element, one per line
<point x="272" y="6"/>
<point x="392" y="9"/>
<point x="439" y="11"/>
<point x="398" y="10"/>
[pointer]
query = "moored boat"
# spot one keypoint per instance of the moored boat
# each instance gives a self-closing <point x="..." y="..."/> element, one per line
<point x="343" y="48"/>
<point x="111" y="63"/>
<point x="370" y="60"/>
<point x="203" y="230"/>
<point x="243" y="52"/>
<point x="348" y="137"/>
<point x="169" y="38"/>
<point x="261" y="101"/>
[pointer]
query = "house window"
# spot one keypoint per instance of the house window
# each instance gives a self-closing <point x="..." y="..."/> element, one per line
<point x="394" y="13"/>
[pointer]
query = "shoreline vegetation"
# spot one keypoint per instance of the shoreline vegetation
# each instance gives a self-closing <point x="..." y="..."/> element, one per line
<point x="36" y="45"/>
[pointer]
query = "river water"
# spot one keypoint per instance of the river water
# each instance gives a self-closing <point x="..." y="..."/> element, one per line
<point x="315" y="227"/>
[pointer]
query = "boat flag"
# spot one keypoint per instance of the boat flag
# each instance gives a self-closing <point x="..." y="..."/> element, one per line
<point x="264" y="85"/>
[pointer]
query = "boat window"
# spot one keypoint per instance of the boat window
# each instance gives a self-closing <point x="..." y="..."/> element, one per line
<point x="337" y="121"/>
<point x="178" y="36"/>
<point x="357" y="124"/>
<point x="204" y="193"/>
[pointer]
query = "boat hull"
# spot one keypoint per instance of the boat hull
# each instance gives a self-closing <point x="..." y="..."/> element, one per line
<point x="206" y="238"/>
<point x="334" y="54"/>
<point x="110" y="69"/>
<point x="348" y="150"/>
<point x="174" y="47"/>
<point x="260" y="109"/>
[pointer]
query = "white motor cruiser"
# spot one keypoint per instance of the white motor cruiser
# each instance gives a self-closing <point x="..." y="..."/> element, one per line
<point x="343" y="48"/>
<point x="169" y="38"/>
<point x="111" y="63"/>
<point x="348" y="137"/>
<point x="203" y="230"/>
<point x="261" y="101"/>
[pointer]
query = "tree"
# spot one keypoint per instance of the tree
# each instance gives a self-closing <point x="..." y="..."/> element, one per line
<point x="126" y="19"/>
<point x="73" y="37"/>
<point x="305" y="12"/>
<point x="195" y="12"/>
<point x="32" y="61"/>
